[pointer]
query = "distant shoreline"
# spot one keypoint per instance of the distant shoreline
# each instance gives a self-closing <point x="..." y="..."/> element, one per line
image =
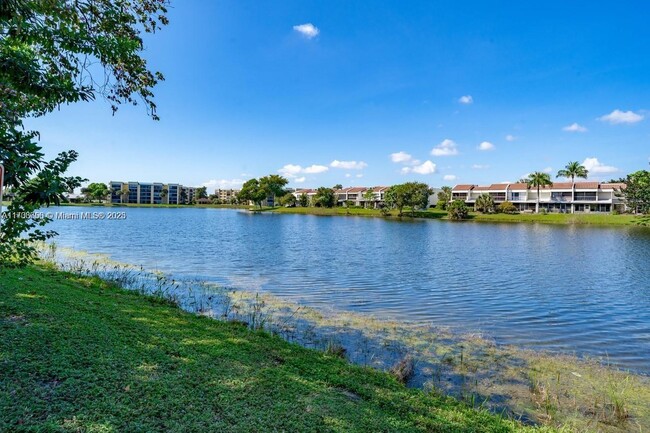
<point x="592" y="219"/>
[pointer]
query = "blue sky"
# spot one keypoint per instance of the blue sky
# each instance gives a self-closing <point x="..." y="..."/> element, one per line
<point x="376" y="93"/>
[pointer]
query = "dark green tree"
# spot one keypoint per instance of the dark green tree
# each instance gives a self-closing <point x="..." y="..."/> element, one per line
<point x="288" y="200"/>
<point x="411" y="194"/>
<point x="324" y="197"/>
<point x="484" y="203"/>
<point x="303" y="200"/>
<point x="201" y="193"/>
<point x="253" y="191"/>
<point x="59" y="52"/>
<point x="444" y="197"/>
<point x="457" y="210"/>
<point x="96" y="191"/>
<point x="637" y="191"/>
<point x="274" y="185"/>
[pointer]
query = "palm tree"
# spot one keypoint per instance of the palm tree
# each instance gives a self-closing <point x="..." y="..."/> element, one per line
<point x="484" y="203"/>
<point x="572" y="170"/>
<point x="538" y="180"/>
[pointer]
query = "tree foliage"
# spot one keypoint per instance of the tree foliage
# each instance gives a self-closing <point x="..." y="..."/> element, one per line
<point x="303" y="200"/>
<point x="96" y="191"/>
<point x="411" y="194"/>
<point x="637" y="191"/>
<point x="572" y="170"/>
<point x="201" y="193"/>
<point x="484" y="203"/>
<point x="368" y="198"/>
<point x="59" y="52"/>
<point x="457" y="210"/>
<point x="444" y="197"/>
<point x="324" y="197"/>
<point x="288" y="200"/>
<point x="274" y="184"/>
<point x="538" y="180"/>
<point x="253" y="191"/>
<point x="507" y="207"/>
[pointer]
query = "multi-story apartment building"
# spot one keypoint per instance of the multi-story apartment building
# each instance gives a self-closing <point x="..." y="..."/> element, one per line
<point x="150" y="193"/>
<point x="226" y="195"/>
<point x="565" y="197"/>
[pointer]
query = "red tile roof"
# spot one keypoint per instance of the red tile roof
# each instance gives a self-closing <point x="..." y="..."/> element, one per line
<point x="557" y="185"/>
<point x="357" y="189"/>
<point x="498" y="187"/>
<point x="481" y="188"/>
<point x="518" y="186"/>
<point x="463" y="188"/>
<point x="617" y="185"/>
<point x="586" y="185"/>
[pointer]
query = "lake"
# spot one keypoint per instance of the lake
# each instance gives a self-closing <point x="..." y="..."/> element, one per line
<point x="570" y="289"/>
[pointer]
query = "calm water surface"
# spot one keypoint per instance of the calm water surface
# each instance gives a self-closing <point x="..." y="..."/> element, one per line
<point x="583" y="290"/>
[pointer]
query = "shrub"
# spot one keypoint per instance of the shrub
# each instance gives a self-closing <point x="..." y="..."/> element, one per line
<point x="484" y="203"/>
<point x="507" y="207"/>
<point x="457" y="210"/>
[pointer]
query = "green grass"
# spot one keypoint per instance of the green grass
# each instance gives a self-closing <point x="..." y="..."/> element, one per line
<point x="434" y="213"/>
<point x="78" y="354"/>
<point x="558" y="218"/>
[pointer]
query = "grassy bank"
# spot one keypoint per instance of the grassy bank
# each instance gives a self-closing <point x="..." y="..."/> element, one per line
<point x="78" y="354"/>
<point x="552" y="218"/>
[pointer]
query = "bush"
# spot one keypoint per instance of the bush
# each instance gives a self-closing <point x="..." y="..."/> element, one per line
<point x="507" y="207"/>
<point x="457" y="210"/>
<point x="484" y="204"/>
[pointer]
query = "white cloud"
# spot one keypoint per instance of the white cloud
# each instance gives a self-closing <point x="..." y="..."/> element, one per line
<point x="223" y="183"/>
<point x="359" y="176"/>
<point x="315" y="169"/>
<point x="446" y="148"/>
<point x="480" y="166"/>
<point x="618" y="116"/>
<point x="427" y="167"/>
<point x="348" y="175"/>
<point x="290" y="171"/>
<point x="449" y="177"/>
<point x="300" y="179"/>
<point x="349" y="165"/>
<point x="400" y="157"/>
<point x="510" y="137"/>
<point x="467" y="99"/>
<point x="486" y="145"/>
<point x="308" y="30"/>
<point x="548" y="170"/>
<point x="595" y="166"/>
<point x="574" y="127"/>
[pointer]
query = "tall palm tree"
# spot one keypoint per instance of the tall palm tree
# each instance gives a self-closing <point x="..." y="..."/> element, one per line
<point x="538" y="180"/>
<point x="572" y="170"/>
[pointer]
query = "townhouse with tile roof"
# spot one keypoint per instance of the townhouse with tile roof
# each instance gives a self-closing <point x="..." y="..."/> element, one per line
<point x="564" y="197"/>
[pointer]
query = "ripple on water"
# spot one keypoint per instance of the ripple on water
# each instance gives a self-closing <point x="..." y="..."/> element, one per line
<point x="584" y="290"/>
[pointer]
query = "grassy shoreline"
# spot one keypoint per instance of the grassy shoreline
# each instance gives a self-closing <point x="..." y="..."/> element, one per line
<point x="79" y="354"/>
<point x="593" y="219"/>
<point x="552" y="218"/>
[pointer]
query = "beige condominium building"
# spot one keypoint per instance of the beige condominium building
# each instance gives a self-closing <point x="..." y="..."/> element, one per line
<point x="150" y="193"/>
<point x="564" y="197"/>
<point x="227" y="195"/>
